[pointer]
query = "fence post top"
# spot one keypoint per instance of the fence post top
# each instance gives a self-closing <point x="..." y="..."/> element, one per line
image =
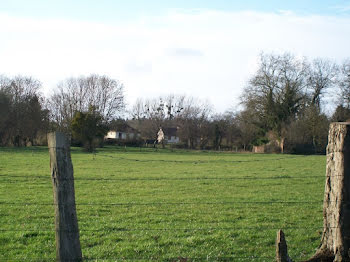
<point x="57" y="140"/>
<point x="341" y="123"/>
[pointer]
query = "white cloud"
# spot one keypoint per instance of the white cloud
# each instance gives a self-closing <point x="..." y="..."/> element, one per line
<point x="204" y="53"/>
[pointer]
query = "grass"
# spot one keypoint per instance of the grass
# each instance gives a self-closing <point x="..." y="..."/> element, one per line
<point x="165" y="205"/>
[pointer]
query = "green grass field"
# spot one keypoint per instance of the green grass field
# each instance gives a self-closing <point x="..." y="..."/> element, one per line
<point x="164" y="205"/>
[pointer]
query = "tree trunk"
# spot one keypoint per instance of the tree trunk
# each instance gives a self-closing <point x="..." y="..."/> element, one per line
<point x="314" y="144"/>
<point x="335" y="241"/>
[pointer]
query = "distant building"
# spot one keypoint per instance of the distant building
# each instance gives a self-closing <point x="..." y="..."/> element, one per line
<point x="123" y="133"/>
<point x="170" y="135"/>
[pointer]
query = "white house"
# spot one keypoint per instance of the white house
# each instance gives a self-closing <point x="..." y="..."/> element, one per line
<point x="170" y="135"/>
<point x="127" y="133"/>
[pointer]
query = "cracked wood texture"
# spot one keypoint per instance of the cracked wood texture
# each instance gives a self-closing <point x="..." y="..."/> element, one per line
<point x="335" y="242"/>
<point x="281" y="248"/>
<point x="66" y="222"/>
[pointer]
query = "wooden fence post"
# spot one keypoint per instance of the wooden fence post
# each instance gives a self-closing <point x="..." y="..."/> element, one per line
<point x="66" y="222"/>
<point x="281" y="248"/>
<point x="335" y="241"/>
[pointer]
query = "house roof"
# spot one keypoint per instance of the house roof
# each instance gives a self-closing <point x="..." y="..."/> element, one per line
<point x="170" y="131"/>
<point x="125" y="128"/>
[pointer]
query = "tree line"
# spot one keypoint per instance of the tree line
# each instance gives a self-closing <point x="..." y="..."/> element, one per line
<point x="81" y="107"/>
<point x="282" y="109"/>
<point x="285" y="100"/>
<point x="23" y="115"/>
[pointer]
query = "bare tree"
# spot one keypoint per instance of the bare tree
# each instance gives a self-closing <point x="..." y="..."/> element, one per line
<point x="321" y="75"/>
<point x="193" y="121"/>
<point x="148" y="116"/>
<point x="190" y="115"/>
<point x="23" y="113"/>
<point x="163" y="107"/>
<point x="78" y="94"/>
<point x="225" y="131"/>
<point x="5" y="108"/>
<point x="233" y="132"/>
<point x="151" y="114"/>
<point x="24" y="87"/>
<point x="344" y="84"/>
<point x="276" y="92"/>
<point x="249" y="126"/>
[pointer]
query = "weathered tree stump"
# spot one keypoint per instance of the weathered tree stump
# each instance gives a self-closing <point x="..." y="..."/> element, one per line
<point x="335" y="241"/>
<point x="281" y="248"/>
<point x="66" y="222"/>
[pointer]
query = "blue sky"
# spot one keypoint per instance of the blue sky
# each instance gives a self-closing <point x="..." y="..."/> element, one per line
<point x="201" y="48"/>
<point x="116" y="10"/>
